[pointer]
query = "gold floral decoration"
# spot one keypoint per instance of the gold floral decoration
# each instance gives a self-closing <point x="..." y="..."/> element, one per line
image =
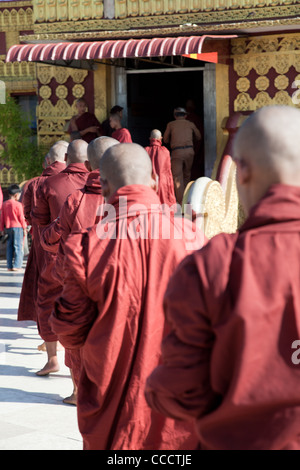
<point x="282" y="63"/>
<point x="45" y="92"/>
<point x="242" y="66"/>
<point x="243" y="84"/>
<point x="282" y="98"/>
<point x="61" y="91"/>
<point x="78" y="75"/>
<point x="45" y="109"/>
<point x="62" y="109"/>
<point x="78" y="91"/>
<point x="281" y="82"/>
<point x="262" y="99"/>
<point x="44" y="74"/>
<point x="262" y="83"/>
<point x="61" y="74"/>
<point x="262" y="64"/>
<point x="243" y="102"/>
<point x="297" y="62"/>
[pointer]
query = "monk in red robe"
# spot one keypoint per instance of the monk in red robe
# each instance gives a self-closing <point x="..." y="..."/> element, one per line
<point x="84" y="125"/>
<point x="54" y="163"/>
<point x="161" y="167"/>
<point x="234" y="307"/>
<point x="120" y="133"/>
<point x="79" y="212"/>
<point x="50" y="198"/>
<point x="111" y="306"/>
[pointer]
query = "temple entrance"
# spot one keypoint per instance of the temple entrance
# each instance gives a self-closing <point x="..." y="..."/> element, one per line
<point x="153" y="94"/>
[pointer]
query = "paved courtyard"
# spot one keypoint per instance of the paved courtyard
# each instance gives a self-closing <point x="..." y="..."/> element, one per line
<point x="32" y="414"/>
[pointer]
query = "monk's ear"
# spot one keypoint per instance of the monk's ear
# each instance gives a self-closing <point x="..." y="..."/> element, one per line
<point x="243" y="173"/>
<point x="88" y="165"/>
<point x="105" y="189"/>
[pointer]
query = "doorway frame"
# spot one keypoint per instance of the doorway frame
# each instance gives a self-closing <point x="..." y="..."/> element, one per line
<point x="119" y="96"/>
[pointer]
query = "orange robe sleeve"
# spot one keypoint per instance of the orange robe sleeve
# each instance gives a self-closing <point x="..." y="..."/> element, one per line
<point x="74" y="312"/>
<point x="40" y="214"/>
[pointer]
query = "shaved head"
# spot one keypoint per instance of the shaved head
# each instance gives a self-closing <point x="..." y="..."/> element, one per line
<point x="267" y="151"/>
<point x="97" y="148"/>
<point x="126" y="164"/>
<point x="57" y="152"/>
<point x="155" y="134"/>
<point x="77" y="151"/>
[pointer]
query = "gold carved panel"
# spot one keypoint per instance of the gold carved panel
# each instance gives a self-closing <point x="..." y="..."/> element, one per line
<point x="64" y="10"/>
<point x="55" y="109"/>
<point x="276" y="62"/>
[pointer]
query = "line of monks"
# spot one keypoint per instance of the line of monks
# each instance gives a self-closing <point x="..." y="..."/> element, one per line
<point x="171" y="344"/>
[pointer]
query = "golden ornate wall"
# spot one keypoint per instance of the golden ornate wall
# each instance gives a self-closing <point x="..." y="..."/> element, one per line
<point x="266" y="71"/>
<point x="58" y="90"/>
<point x="62" y="19"/>
<point x="64" y="10"/>
<point x="16" y="18"/>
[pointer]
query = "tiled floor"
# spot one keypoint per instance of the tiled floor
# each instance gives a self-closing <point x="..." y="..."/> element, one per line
<point x="32" y="414"/>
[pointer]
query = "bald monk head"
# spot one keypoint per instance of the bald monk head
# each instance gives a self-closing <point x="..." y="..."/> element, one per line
<point x="77" y="152"/>
<point x="124" y="165"/>
<point x="156" y="134"/>
<point x="96" y="150"/>
<point x="57" y="152"/>
<point x="266" y="151"/>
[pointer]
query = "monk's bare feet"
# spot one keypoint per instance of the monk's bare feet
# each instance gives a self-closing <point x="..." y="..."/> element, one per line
<point x="51" y="367"/>
<point x="42" y="347"/>
<point x="71" y="400"/>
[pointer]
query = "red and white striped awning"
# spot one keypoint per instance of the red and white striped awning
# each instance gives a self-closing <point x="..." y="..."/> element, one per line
<point x="131" y="48"/>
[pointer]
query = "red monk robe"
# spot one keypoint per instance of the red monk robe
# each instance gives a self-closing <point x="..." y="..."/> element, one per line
<point x="84" y="121"/>
<point x="234" y="308"/>
<point x="161" y="164"/>
<point x="27" y="305"/>
<point x="122" y="135"/>
<point x="50" y="198"/>
<point x="79" y="212"/>
<point x="111" y="307"/>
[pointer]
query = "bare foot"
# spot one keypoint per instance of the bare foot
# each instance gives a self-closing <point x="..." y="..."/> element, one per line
<point x="51" y="367"/>
<point x="42" y="347"/>
<point x="71" y="400"/>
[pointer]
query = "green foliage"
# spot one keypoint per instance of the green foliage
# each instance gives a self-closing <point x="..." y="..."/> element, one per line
<point x="20" y="149"/>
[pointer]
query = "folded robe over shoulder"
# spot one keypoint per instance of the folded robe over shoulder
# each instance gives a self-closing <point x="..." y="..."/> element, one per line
<point x="234" y="310"/>
<point x="111" y="307"/>
<point x="50" y="198"/>
<point x="27" y="306"/>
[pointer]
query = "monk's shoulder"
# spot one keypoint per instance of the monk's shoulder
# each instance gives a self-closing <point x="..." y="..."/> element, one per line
<point x="213" y="261"/>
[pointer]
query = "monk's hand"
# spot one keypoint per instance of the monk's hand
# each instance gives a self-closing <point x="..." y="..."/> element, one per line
<point x="92" y="129"/>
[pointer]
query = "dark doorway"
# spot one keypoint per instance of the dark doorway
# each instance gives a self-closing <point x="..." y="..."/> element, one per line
<point x="152" y="98"/>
